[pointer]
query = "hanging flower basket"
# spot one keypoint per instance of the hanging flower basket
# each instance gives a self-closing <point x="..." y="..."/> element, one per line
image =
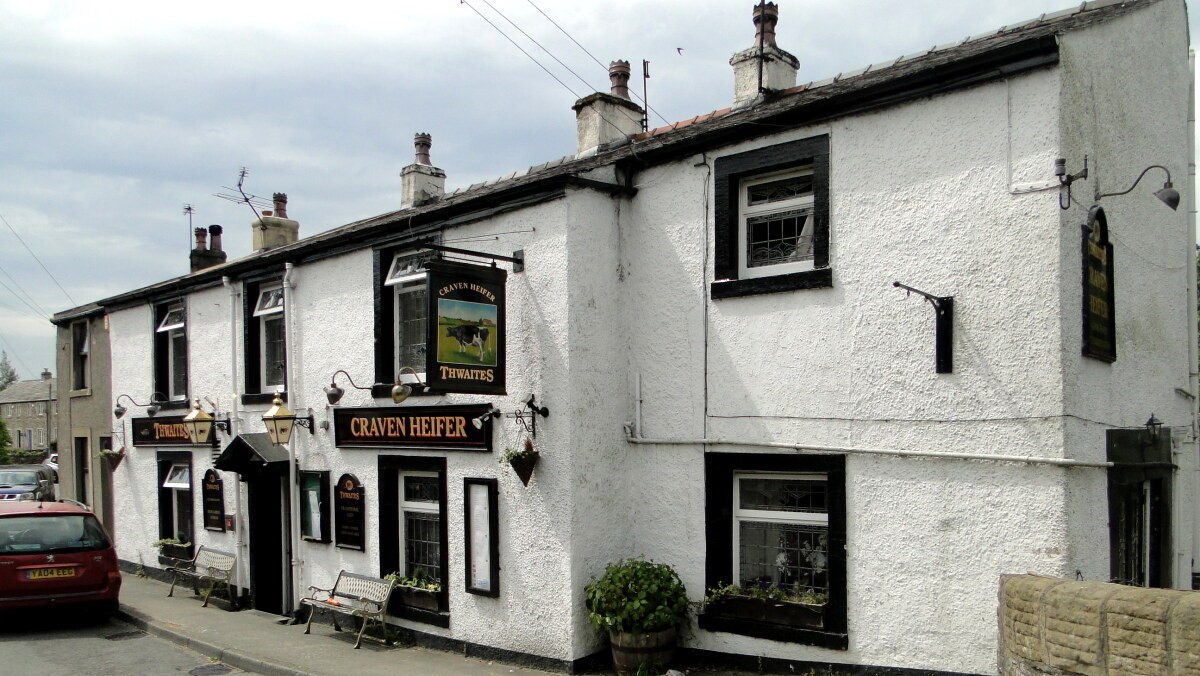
<point x="114" y="458"/>
<point x="522" y="461"/>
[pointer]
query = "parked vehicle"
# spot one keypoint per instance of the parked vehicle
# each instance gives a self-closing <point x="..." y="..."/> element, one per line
<point x="26" y="482"/>
<point x="56" y="554"/>
<point x="51" y="461"/>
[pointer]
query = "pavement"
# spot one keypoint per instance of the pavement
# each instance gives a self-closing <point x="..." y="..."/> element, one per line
<point x="257" y="642"/>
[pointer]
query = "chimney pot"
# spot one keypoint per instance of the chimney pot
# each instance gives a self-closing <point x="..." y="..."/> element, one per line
<point x="423" y="143"/>
<point x="618" y="74"/>
<point x="765" y="19"/>
<point x="201" y="239"/>
<point x="214" y="232"/>
<point x="46" y="375"/>
<point x="281" y="204"/>
<point x="267" y="212"/>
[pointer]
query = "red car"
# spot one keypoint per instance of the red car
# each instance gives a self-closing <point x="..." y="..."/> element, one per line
<point x="56" y="554"/>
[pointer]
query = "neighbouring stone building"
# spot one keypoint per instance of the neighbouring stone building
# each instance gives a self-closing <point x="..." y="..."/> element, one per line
<point x="863" y="338"/>
<point x="30" y="411"/>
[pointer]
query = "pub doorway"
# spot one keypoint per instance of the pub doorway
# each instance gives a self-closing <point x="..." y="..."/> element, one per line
<point x="1139" y="506"/>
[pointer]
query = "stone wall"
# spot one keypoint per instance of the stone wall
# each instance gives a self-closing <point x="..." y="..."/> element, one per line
<point x="1051" y="625"/>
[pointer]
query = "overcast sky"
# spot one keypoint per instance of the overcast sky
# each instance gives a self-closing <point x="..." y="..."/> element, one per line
<point x="115" y="114"/>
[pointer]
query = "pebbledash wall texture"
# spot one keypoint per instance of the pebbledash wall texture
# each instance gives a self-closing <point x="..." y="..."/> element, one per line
<point x="679" y="383"/>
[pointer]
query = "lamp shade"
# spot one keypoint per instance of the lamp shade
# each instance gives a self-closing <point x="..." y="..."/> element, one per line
<point x="1169" y="196"/>
<point x="279" y="421"/>
<point x="198" y="424"/>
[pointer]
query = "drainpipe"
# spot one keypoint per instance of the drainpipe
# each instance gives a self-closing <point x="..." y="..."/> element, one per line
<point x="289" y="321"/>
<point x="239" y="530"/>
<point x="1193" y="365"/>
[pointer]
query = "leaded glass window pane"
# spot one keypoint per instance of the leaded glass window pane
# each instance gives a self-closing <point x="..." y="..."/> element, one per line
<point x="790" y="557"/>
<point x="783" y="495"/>
<point x="274" y="351"/>
<point x="783" y="237"/>
<point x="784" y="189"/>
<point x="422" y="489"/>
<point x="411" y="313"/>
<point x="422" y="545"/>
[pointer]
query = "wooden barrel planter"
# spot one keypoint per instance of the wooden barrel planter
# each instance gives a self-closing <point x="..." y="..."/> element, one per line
<point x="632" y="651"/>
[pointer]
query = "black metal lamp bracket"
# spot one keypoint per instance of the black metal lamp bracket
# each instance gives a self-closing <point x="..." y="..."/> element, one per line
<point x="1065" y="180"/>
<point x="528" y="418"/>
<point x="943" y="307"/>
<point x="306" y="422"/>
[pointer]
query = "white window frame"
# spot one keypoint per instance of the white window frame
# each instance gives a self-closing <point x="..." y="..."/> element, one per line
<point x="178" y="477"/>
<point x="81" y="378"/>
<point x="270" y="303"/>
<point x="407" y="276"/>
<point x="419" y="506"/>
<point x="174" y="324"/>
<point x="747" y="212"/>
<point x="770" y="516"/>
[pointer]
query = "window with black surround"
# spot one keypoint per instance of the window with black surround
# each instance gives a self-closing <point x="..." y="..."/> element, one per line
<point x="413" y="530"/>
<point x="401" y="312"/>
<point x="80" y="352"/>
<point x="771" y="226"/>
<point x="171" y="351"/>
<point x="314" y="506"/>
<point x="775" y="565"/>
<point x="265" y="341"/>
<point x="175" y="496"/>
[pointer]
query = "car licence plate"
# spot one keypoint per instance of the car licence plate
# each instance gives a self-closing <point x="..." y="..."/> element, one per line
<point x="49" y="573"/>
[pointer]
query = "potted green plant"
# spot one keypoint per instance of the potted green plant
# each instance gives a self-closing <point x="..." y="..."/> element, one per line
<point x="639" y="603"/>
<point x="793" y="605"/>
<point x="415" y="591"/>
<point x="523" y="460"/>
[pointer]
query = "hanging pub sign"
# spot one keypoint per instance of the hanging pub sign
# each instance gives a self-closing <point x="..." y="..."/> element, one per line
<point x="465" y="343"/>
<point x="1099" y="316"/>
<point x="213" y="493"/>
<point x="165" y="430"/>
<point x="451" y="428"/>
<point x="348" y="519"/>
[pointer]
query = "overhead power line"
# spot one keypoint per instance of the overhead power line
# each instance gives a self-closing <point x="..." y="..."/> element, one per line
<point x="598" y="61"/>
<point x="24" y="297"/>
<point x="9" y="348"/>
<point x="39" y="261"/>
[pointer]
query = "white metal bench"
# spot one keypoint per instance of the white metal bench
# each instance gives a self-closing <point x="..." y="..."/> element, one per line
<point x="210" y="566"/>
<point x="354" y="595"/>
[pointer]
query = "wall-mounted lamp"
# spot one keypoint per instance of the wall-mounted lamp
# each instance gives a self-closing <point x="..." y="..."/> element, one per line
<point x="1153" y="428"/>
<point x="334" y="393"/>
<point x="528" y="419"/>
<point x="280" y="420"/>
<point x="488" y="415"/>
<point x="1065" y="180"/>
<point x="1168" y="195"/>
<point x="943" y="340"/>
<point x="401" y="389"/>
<point x="200" y="423"/>
<point x="151" y="408"/>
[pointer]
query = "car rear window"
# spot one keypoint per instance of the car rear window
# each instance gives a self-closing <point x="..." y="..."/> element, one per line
<point x="51" y="533"/>
<point x="12" y="478"/>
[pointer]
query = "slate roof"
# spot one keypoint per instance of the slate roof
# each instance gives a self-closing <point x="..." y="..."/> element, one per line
<point x="996" y="54"/>
<point x="29" y="390"/>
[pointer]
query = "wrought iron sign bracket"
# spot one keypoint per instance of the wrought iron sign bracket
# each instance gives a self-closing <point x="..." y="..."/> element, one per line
<point x="943" y="307"/>
<point x="528" y="418"/>
<point x="517" y="259"/>
<point x="306" y="422"/>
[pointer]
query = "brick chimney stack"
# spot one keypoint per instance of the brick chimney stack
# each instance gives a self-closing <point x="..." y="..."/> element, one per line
<point x="421" y="182"/>
<point x="202" y="256"/>
<point x="275" y="229"/>
<point x="777" y="66"/>
<point x="606" y="120"/>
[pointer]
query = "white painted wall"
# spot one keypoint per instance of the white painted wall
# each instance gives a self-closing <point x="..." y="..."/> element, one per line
<point x="934" y="193"/>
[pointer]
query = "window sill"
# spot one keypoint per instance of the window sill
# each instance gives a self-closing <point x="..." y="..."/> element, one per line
<point x="86" y="392"/>
<point x="775" y="632"/>
<point x="173" y="405"/>
<point x="262" y="398"/>
<point x="809" y="279"/>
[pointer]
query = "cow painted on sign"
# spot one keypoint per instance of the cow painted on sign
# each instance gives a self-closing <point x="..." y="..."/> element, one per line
<point x="468" y="336"/>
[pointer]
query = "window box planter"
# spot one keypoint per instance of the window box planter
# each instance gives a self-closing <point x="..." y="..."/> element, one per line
<point x="412" y="597"/>
<point x="172" y="553"/>
<point x="768" y="611"/>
